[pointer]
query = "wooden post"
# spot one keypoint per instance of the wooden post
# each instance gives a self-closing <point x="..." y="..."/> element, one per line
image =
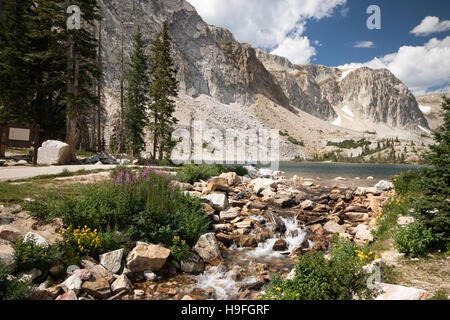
<point x="37" y="131"/>
<point x="2" y="140"/>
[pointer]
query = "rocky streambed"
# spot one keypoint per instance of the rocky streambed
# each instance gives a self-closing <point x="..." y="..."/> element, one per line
<point x="261" y="223"/>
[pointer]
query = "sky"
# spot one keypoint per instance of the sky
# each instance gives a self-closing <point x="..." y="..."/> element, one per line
<point x="413" y="42"/>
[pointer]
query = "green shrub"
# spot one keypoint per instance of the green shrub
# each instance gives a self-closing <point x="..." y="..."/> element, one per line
<point x="316" y="278"/>
<point x="13" y="289"/>
<point x="413" y="240"/>
<point x="179" y="248"/>
<point x="406" y="183"/>
<point x="38" y="209"/>
<point x="387" y="220"/>
<point x="440" y="295"/>
<point x="28" y="255"/>
<point x="143" y="204"/>
<point x="296" y="142"/>
<point x="193" y="173"/>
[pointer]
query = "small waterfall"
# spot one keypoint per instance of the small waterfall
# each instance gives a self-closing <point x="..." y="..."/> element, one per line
<point x="294" y="236"/>
<point x="221" y="281"/>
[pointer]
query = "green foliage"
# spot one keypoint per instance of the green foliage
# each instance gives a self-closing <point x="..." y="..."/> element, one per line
<point x="192" y="173"/>
<point x="164" y="86"/>
<point x="179" y="249"/>
<point x="413" y="240"/>
<point x="349" y="144"/>
<point x="137" y="95"/>
<point x="387" y="220"/>
<point x="296" y="142"/>
<point x="143" y="204"/>
<point x="440" y="295"/>
<point x="316" y="278"/>
<point x="28" y="255"/>
<point x="13" y="289"/>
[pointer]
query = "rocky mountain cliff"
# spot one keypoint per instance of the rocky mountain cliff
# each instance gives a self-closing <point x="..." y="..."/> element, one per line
<point x="212" y="63"/>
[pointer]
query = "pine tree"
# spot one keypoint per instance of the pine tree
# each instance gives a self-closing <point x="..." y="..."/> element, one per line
<point x="435" y="210"/>
<point x="15" y="83"/>
<point x="137" y="96"/>
<point x="81" y="69"/>
<point x="32" y="65"/>
<point x="164" y="86"/>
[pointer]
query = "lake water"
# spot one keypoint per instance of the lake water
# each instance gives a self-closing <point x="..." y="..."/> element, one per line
<point x="325" y="170"/>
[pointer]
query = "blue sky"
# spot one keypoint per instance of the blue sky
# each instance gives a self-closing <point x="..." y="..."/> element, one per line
<point x="327" y="32"/>
<point x="398" y="17"/>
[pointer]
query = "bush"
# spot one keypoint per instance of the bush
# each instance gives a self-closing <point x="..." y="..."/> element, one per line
<point x="316" y="278"/>
<point x="413" y="240"/>
<point x="28" y="255"/>
<point x="179" y="248"/>
<point x="143" y="204"/>
<point x="193" y="173"/>
<point x="13" y="289"/>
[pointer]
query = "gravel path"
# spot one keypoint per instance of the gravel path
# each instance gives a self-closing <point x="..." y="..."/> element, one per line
<point x="18" y="173"/>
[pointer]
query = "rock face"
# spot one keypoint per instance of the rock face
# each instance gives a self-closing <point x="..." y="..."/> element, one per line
<point x="212" y="63"/>
<point x="147" y="257"/>
<point x="53" y="152"/>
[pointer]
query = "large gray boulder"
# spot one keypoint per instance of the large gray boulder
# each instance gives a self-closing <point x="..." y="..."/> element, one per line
<point x="54" y="152"/>
<point x="112" y="260"/>
<point x="147" y="257"/>
<point x="207" y="248"/>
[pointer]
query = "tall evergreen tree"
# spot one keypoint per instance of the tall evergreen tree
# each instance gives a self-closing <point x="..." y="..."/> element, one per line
<point x="164" y="86"/>
<point x="435" y="183"/>
<point x="82" y="69"/>
<point x="32" y="65"/>
<point x="137" y="98"/>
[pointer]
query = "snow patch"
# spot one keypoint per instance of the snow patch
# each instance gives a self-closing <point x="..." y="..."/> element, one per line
<point x="425" y="109"/>
<point x="347" y="110"/>
<point x="423" y="129"/>
<point x="346" y="73"/>
<point x="337" y="122"/>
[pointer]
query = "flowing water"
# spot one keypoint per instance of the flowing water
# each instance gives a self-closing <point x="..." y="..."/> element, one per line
<point x="223" y="280"/>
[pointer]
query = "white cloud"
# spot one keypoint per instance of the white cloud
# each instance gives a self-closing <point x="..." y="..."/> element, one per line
<point x="420" y="68"/>
<point x="364" y="44"/>
<point x="268" y="23"/>
<point x="298" y="50"/>
<point x="431" y="25"/>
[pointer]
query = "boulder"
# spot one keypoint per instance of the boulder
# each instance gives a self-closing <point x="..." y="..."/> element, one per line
<point x="96" y="270"/>
<point x="260" y="184"/>
<point x="363" y="234"/>
<point x="246" y="224"/>
<point x="217" y="184"/>
<point x="357" y="216"/>
<point x="283" y="200"/>
<point x="112" y="261"/>
<point x="122" y="283"/>
<point x="54" y="152"/>
<point x="246" y="241"/>
<point x="267" y="193"/>
<point x="192" y="264"/>
<point x="384" y="185"/>
<point x="308" y="205"/>
<point x="73" y="283"/>
<point x="396" y="292"/>
<point x="280" y="245"/>
<point x="207" y="248"/>
<point x="7" y="257"/>
<point x="10" y="234"/>
<point x="229" y="214"/>
<point x="232" y="178"/>
<point x="333" y="227"/>
<point x="217" y="200"/>
<point x="97" y="287"/>
<point x="147" y="257"/>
